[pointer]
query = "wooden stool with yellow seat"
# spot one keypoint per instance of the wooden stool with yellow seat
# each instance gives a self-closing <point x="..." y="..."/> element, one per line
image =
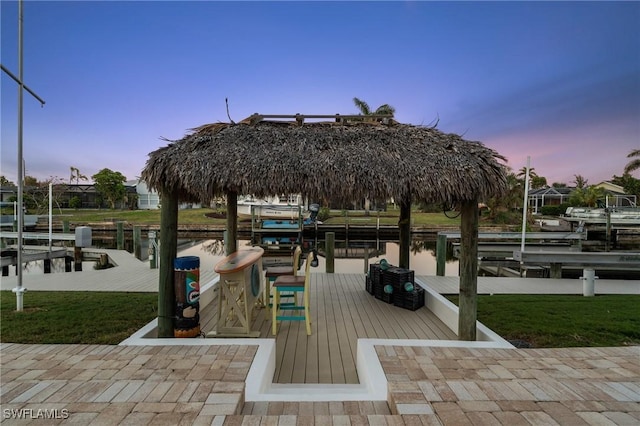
<point x="273" y="272"/>
<point x="293" y="283"/>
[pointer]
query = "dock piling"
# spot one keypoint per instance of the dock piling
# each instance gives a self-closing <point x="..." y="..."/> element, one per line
<point x="441" y="254"/>
<point x="137" y="240"/>
<point x="330" y="239"/>
<point x="366" y="259"/>
<point x="120" y="235"/>
<point x="555" y="270"/>
<point x="77" y="259"/>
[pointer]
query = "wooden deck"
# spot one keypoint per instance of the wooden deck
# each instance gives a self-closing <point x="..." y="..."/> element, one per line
<point x="342" y="312"/>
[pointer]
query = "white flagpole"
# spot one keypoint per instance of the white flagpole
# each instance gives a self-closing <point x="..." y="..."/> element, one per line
<point x="525" y="206"/>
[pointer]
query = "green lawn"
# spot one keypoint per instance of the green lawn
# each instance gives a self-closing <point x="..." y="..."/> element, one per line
<point x="549" y="321"/>
<point x="109" y="318"/>
<point x="75" y="317"/>
<point x="133" y="217"/>
<point x="198" y="216"/>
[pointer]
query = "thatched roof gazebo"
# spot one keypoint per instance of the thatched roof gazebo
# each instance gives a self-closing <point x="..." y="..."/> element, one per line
<point x="344" y="159"/>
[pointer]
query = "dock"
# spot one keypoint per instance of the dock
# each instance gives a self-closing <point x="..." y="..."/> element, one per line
<point x="128" y="275"/>
<point x="212" y="381"/>
<point x="9" y="255"/>
<point x="342" y="311"/>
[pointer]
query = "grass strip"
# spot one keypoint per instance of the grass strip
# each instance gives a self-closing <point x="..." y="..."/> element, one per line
<point x="558" y="321"/>
<point x="75" y="317"/>
<point x="542" y="321"/>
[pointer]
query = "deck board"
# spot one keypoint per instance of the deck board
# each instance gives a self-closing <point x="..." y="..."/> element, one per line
<point x="311" y="361"/>
<point x="341" y="313"/>
<point x="320" y="306"/>
<point x="352" y="323"/>
<point x="333" y="311"/>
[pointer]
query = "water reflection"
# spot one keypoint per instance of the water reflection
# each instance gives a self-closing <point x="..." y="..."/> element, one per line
<point x="350" y="255"/>
<point x="213" y="247"/>
<point x="36" y="267"/>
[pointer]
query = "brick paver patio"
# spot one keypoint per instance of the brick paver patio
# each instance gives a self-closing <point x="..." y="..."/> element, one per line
<point x="203" y="385"/>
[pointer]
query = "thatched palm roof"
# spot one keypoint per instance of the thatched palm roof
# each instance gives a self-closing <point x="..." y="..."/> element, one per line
<point x="340" y="161"/>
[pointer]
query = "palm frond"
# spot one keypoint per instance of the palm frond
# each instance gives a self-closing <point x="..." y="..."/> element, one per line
<point x="362" y="106"/>
<point x="385" y="109"/>
<point x="632" y="166"/>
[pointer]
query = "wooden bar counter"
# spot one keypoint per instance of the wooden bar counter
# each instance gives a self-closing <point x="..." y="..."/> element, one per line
<point x="240" y="287"/>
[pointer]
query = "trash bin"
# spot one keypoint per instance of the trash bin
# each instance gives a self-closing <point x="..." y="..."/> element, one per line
<point x="187" y="289"/>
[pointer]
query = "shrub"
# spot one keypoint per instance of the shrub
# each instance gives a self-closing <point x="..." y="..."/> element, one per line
<point x="550" y="210"/>
<point x="504" y="217"/>
<point x="324" y="214"/>
<point x="75" y="202"/>
<point x="554" y="210"/>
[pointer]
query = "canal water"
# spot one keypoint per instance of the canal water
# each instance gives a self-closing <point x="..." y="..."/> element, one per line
<point x="349" y="255"/>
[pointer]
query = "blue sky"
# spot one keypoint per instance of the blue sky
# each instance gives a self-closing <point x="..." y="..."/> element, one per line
<point x="556" y="81"/>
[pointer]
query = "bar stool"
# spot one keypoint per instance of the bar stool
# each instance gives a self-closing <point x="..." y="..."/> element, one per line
<point x="293" y="283"/>
<point x="273" y="272"/>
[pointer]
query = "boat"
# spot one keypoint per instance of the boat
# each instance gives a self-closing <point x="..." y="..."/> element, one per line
<point x="592" y="215"/>
<point x="289" y="207"/>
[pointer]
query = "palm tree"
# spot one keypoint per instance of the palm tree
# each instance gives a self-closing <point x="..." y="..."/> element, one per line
<point x="587" y="196"/>
<point x="76" y="175"/>
<point x="535" y="181"/>
<point x="522" y="173"/>
<point x="633" y="164"/>
<point x="511" y="200"/>
<point x="580" y="181"/>
<point x="593" y="194"/>
<point x="365" y="110"/>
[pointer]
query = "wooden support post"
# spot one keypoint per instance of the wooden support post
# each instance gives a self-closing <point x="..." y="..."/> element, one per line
<point x="232" y="223"/>
<point x="65" y="226"/>
<point x="169" y="245"/>
<point x="120" y="235"/>
<point x="137" y="242"/>
<point x="77" y="259"/>
<point x="404" y="225"/>
<point x="468" y="301"/>
<point x="441" y="254"/>
<point x="329" y="249"/>
<point x="47" y="266"/>
<point x="555" y="270"/>
<point x="366" y="259"/>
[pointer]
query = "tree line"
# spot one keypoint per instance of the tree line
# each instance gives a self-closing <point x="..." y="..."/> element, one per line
<point x="108" y="184"/>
